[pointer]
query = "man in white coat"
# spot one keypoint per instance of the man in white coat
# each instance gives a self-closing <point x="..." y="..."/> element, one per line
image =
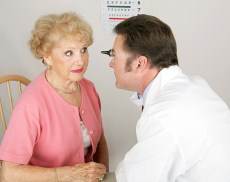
<point x="183" y="134"/>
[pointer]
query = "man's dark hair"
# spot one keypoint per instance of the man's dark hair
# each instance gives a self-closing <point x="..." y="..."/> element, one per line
<point x="148" y="36"/>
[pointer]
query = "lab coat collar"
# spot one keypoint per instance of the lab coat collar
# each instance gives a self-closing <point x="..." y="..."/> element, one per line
<point x="154" y="87"/>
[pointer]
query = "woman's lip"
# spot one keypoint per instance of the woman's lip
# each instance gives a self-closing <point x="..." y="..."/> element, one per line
<point x="77" y="70"/>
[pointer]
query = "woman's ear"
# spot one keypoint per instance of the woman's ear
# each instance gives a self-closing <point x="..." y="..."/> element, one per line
<point x="47" y="60"/>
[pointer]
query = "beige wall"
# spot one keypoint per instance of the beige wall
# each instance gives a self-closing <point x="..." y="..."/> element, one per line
<point x="201" y="28"/>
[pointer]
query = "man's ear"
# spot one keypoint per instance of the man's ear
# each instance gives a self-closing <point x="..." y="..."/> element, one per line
<point x="141" y="63"/>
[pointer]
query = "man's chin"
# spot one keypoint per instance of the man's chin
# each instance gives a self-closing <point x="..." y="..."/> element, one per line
<point x="116" y="84"/>
<point x="119" y="86"/>
<point x="123" y="87"/>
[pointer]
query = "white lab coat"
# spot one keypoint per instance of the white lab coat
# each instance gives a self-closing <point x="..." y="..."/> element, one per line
<point x="183" y="134"/>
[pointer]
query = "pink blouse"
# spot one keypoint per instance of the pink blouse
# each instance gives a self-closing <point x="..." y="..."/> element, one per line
<point x="44" y="129"/>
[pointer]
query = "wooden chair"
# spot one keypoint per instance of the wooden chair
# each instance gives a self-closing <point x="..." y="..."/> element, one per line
<point x="11" y="87"/>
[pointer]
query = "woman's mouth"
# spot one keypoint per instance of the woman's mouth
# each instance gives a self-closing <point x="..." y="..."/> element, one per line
<point x="77" y="70"/>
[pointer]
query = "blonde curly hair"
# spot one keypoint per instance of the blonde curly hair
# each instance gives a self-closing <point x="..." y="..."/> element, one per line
<point x="49" y="29"/>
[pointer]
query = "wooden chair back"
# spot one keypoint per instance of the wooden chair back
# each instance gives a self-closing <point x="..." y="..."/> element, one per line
<point x="11" y="86"/>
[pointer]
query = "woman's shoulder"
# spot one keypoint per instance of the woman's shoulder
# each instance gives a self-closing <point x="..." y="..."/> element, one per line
<point x="89" y="88"/>
<point x="87" y="83"/>
<point x="32" y="92"/>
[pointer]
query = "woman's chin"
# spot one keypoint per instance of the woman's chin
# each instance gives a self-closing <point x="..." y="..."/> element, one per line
<point x="76" y="78"/>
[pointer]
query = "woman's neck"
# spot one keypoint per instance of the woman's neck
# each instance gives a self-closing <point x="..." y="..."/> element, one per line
<point x="61" y="85"/>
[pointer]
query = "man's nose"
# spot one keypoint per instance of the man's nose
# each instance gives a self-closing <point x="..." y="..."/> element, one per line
<point x="111" y="64"/>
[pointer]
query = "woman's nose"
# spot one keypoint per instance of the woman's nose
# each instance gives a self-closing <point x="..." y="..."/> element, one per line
<point x="79" y="60"/>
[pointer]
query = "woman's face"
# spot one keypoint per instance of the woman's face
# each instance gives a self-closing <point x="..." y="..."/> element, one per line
<point x="69" y="59"/>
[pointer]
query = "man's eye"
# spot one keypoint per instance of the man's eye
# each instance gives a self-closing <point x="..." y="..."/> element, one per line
<point x="112" y="53"/>
<point x="84" y="50"/>
<point x="69" y="53"/>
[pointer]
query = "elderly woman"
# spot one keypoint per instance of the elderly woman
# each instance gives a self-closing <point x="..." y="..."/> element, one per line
<point x="55" y="132"/>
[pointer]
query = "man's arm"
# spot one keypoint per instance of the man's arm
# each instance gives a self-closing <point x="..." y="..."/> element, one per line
<point x="155" y="158"/>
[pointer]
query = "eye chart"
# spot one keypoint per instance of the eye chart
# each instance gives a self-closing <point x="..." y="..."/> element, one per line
<point x="115" y="11"/>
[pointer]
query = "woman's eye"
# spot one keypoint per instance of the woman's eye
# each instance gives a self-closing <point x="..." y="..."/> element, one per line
<point x="69" y="53"/>
<point x="84" y="50"/>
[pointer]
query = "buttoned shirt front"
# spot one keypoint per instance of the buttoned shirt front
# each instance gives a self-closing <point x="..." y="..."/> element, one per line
<point x="44" y="129"/>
